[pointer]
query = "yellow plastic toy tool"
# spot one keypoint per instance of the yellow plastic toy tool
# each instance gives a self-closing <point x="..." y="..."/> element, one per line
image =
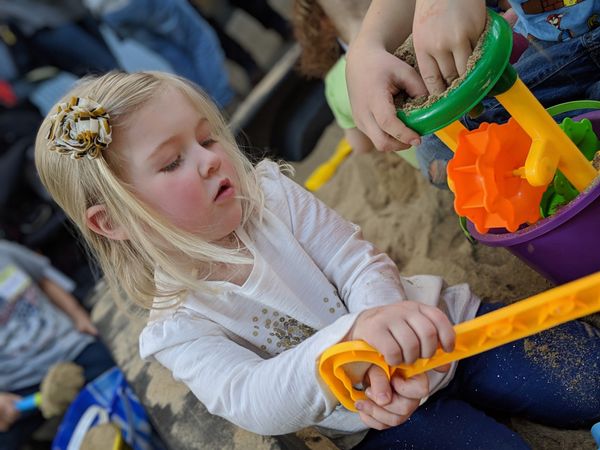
<point x="325" y="171"/>
<point x="524" y="318"/>
<point x="497" y="191"/>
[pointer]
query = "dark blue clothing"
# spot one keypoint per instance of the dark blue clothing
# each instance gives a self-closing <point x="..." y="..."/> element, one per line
<point x="550" y="378"/>
<point x="555" y="72"/>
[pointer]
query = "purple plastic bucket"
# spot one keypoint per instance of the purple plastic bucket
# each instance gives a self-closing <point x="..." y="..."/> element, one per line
<point x="563" y="247"/>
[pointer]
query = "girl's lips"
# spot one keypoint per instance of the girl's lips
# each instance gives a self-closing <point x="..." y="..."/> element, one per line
<point x="226" y="190"/>
<point x="225" y="193"/>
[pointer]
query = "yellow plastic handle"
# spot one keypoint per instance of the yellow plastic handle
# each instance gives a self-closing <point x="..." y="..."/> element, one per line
<point x="551" y="148"/>
<point x="524" y="318"/>
<point x="325" y="171"/>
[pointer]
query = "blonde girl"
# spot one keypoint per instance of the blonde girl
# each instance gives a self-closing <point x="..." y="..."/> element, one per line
<point x="249" y="278"/>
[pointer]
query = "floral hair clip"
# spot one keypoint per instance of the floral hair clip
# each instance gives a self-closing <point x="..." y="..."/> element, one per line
<point x="80" y="128"/>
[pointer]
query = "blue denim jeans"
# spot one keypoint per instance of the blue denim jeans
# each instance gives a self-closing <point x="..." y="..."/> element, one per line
<point x="174" y="30"/>
<point x="555" y="72"/>
<point x="550" y="378"/>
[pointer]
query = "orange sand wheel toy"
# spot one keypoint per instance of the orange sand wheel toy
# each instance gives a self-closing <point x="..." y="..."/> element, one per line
<point x="483" y="183"/>
<point x="342" y="366"/>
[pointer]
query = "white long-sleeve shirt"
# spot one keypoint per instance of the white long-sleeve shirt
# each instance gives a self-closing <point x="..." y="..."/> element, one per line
<point x="249" y="353"/>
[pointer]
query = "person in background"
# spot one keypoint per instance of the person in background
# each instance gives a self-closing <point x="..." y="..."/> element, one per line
<point x="177" y="32"/>
<point x="41" y="324"/>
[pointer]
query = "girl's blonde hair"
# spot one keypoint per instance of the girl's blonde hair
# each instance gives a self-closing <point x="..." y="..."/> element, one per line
<point x="77" y="184"/>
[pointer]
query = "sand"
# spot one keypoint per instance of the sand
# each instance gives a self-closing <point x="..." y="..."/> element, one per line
<point x="416" y="225"/>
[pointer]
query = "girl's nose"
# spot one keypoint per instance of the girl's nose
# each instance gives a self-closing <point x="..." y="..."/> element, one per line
<point x="209" y="162"/>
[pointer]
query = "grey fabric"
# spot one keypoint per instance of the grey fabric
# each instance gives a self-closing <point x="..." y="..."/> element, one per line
<point x="34" y="334"/>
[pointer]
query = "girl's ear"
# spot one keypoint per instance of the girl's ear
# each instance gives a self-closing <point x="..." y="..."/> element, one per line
<point x="99" y="222"/>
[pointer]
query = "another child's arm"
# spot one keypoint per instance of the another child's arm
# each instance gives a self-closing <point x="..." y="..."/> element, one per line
<point x="51" y="282"/>
<point x="374" y="75"/>
<point x="358" y="140"/>
<point x="69" y="305"/>
<point x="8" y="413"/>
<point x="444" y="33"/>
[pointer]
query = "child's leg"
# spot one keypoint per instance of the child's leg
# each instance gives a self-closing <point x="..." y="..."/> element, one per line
<point x="445" y="422"/>
<point x="552" y="377"/>
<point x="433" y="156"/>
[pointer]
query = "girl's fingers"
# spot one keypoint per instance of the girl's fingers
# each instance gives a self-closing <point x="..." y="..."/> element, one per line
<point x="406" y="78"/>
<point x="461" y="57"/>
<point x="402" y="406"/>
<point x="381" y="140"/>
<point x="408" y="343"/>
<point x="511" y="17"/>
<point x="426" y="332"/>
<point x="373" y="102"/>
<point x="431" y="73"/>
<point x="378" y="415"/>
<point x="371" y="422"/>
<point x="444" y="368"/>
<point x="447" y="66"/>
<point x="445" y="330"/>
<point x="391" y="133"/>
<point x="415" y="388"/>
<point x="379" y="390"/>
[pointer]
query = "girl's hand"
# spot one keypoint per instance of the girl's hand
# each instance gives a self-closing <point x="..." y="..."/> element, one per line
<point x="391" y="402"/>
<point x="8" y="413"/>
<point x="374" y="77"/>
<point x="445" y="32"/>
<point x="404" y="331"/>
<point x="84" y="324"/>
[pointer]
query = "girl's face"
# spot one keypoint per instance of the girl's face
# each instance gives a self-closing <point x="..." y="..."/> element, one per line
<point x="176" y="166"/>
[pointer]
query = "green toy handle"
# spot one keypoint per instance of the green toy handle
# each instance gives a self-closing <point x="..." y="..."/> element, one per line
<point x="491" y="74"/>
<point x="573" y="106"/>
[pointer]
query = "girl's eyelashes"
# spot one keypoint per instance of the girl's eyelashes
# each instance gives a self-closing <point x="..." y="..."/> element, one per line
<point x="207" y="142"/>
<point x="204" y="142"/>
<point x="172" y="165"/>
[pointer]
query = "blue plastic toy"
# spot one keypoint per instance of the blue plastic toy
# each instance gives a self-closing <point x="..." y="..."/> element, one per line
<point x="596" y="433"/>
